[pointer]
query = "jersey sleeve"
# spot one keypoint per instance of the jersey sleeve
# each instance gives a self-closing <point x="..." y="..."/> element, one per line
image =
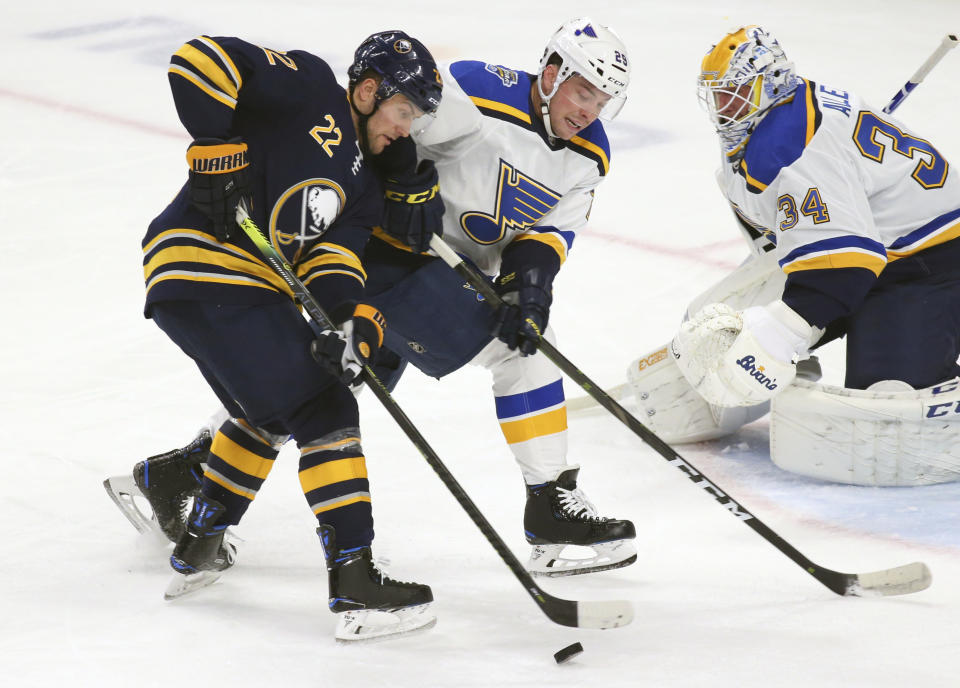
<point x="211" y="76"/>
<point x="455" y="117"/>
<point x="827" y="244"/>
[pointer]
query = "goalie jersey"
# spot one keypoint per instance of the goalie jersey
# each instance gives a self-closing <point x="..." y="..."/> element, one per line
<point x="851" y="198"/>
<point x="502" y="180"/>
<point x="312" y="193"/>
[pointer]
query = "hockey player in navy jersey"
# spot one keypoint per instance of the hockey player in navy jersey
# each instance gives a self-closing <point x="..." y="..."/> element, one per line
<point x="275" y="131"/>
<point x="517" y="157"/>
<point x="855" y="224"/>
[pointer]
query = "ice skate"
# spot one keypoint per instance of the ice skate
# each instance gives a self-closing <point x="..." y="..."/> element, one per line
<point x="558" y="515"/>
<point x="368" y="603"/>
<point x="202" y="553"/>
<point x="156" y="496"/>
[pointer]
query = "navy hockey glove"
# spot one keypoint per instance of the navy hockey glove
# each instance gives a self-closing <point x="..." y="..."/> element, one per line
<point x="218" y="181"/>
<point x="414" y="208"/>
<point x="344" y="352"/>
<point x="523" y="317"/>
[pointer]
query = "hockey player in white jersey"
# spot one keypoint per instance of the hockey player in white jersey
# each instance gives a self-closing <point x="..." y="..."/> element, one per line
<point x="854" y="221"/>
<point x="518" y="157"/>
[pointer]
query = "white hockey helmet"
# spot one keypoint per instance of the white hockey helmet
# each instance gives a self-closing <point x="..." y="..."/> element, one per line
<point x="741" y="77"/>
<point x="594" y="52"/>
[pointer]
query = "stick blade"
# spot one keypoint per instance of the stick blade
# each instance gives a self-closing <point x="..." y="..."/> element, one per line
<point x="604" y="614"/>
<point x="902" y="580"/>
<point x="590" y="614"/>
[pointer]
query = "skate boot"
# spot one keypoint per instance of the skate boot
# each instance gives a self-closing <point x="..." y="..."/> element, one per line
<point x="368" y="603"/>
<point x="167" y="482"/>
<point x="557" y="515"/>
<point x="202" y="553"/>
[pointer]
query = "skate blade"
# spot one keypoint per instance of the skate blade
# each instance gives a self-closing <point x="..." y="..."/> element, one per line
<point x="546" y="560"/>
<point x="125" y="494"/>
<point x="377" y="624"/>
<point x="181" y="585"/>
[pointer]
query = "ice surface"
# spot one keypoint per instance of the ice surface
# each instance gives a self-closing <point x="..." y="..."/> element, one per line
<point x="92" y="149"/>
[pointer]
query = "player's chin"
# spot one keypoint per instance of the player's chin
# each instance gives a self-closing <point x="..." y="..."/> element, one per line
<point x="380" y="143"/>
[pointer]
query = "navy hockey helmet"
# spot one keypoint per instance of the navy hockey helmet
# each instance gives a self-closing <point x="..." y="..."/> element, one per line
<point x="404" y="65"/>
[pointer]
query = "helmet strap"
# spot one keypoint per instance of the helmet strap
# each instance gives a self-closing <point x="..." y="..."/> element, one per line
<point x="545" y="99"/>
<point x="363" y="136"/>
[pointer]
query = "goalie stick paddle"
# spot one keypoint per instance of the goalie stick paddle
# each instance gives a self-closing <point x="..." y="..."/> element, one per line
<point x="901" y="580"/>
<point x="580" y="614"/>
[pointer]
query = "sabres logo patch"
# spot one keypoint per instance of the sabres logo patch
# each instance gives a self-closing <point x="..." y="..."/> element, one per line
<point x="402" y="46"/>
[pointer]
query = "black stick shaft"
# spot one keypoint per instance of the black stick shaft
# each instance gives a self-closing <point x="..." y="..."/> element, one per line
<point x="560" y="611"/>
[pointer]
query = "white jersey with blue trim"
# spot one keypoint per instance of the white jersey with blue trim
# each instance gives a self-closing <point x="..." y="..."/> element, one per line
<point x="836" y="184"/>
<point x="500" y="178"/>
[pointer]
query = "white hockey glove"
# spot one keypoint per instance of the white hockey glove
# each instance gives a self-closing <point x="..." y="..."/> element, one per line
<point x="741" y="358"/>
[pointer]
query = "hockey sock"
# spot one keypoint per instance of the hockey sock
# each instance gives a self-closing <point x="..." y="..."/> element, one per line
<point x="240" y="460"/>
<point x="333" y="475"/>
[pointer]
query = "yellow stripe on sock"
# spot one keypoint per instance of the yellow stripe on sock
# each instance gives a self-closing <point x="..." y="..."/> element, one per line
<point x="548" y="423"/>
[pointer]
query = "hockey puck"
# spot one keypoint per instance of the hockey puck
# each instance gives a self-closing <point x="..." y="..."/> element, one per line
<point x="569" y="652"/>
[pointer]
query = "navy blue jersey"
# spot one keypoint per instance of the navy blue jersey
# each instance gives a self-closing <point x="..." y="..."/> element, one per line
<point x="311" y="191"/>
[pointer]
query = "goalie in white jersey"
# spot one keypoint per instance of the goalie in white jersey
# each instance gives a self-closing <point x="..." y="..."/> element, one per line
<point x="862" y="218"/>
<point x="518" y="157"/>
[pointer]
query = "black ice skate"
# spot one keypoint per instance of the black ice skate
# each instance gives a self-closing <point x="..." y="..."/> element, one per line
<point x="368" y="603"/>
<point x="202" y="553"/>
<point x="557" y="515"/>
<point x="167" y="482"/>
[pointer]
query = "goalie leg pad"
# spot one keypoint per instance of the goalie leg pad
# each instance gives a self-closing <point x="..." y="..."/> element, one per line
<point x="673" y="410"/>
<point x="881" y="436"/>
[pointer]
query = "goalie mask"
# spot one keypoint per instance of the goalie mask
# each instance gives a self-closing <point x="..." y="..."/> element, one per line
<point x="594" y="52"/>
<point x="741" y="78"/>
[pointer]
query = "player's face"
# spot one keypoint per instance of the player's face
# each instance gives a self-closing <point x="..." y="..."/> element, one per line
<point x="574" y="107"/>
<point x="392" y="120"/>
<point x="734" y="104"/>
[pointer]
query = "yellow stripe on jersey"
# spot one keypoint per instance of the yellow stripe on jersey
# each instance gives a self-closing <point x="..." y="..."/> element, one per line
<point x="869" y="261"/>
<point x="215" y="47"/>
<point x="949" y="234"/>
<point x="333" y="472"/>
<point x="337" y="255"/>
<point x="551" y="240"/>
<point x="192" y="78"/>
<point x="595" y="149"/>
<point x="501" y="107"/>
<point x="210" y="69"/>
<point x="548" y="423"/>
<point x="811" y="115"/>
<point x="750" y="180"/>
<point x="195" y="254"/>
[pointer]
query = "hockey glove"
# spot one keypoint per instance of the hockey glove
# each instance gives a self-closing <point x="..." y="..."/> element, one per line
<point x="219" y="179"/>
<point x="414" y="208"/>
<point x="741" y="358"/>
<point x="522" y="318"/>
<point x="344" y="352"/>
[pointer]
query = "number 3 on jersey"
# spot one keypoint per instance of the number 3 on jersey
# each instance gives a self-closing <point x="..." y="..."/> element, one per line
<point x="929" y="173"/>
<point x="812" y="206"/>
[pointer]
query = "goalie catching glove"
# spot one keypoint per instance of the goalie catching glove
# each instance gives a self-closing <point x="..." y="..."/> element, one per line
<point x="219" y="180"/>
<point x="742" y="358"/>
<point x="414" y="209"/>
<point x="346" y="351"/>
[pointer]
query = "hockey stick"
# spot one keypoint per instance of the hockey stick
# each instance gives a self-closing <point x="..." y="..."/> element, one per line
<point x="948" y="43"/>
<point x="896" y="581"/>
<point x="582" y="614"/>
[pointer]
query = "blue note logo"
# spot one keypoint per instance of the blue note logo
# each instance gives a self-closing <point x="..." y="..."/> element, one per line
<point x="520" y="203"/>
